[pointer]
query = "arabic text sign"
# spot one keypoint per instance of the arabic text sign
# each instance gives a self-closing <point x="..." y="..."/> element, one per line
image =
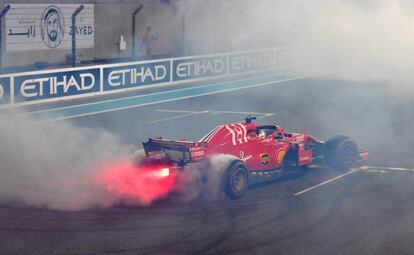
<point x="47" y="26"/>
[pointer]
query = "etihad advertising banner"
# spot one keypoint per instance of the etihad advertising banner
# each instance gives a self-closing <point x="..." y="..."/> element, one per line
<point x="60" y="84"/>
<point x="193" y="68"/>
<point x="56" y="85"/>
<point x="257" y="60"/>
<point x="130" y="76"/>
<point x="4" y="90"/>
<point x="48" y="26"/>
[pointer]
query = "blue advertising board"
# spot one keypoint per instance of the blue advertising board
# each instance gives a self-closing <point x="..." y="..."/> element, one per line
<point x="253" y="61"/>
<point x="193" y="68"/>
<point x="49" y="85"/>
<point x="130" y="76"/>
<point x="5" y="90"/>
<point x="54" y="85"/>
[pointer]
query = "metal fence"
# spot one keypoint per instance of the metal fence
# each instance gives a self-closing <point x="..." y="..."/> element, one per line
<point x="37" y="36"/>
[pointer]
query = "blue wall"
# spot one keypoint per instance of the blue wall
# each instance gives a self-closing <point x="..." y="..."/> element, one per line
<point x="44" y="86"/>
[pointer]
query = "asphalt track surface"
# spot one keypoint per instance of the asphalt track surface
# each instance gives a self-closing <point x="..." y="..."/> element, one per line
<point x="366" y="211"/>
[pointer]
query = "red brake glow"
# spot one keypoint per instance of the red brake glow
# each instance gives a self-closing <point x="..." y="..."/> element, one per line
<point x="143" y="184"/>
<point x="164" y="172"/>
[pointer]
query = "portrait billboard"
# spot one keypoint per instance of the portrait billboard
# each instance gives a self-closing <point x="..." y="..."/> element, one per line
<point x="48" y="26"/>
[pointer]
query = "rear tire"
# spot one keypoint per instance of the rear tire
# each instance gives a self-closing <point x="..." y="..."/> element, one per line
<point x="290" y="162"/>
<point x="236" y="180"/>
<point x="341" y="153"/>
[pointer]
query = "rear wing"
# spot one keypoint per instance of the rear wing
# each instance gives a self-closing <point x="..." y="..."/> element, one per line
<point x="155" y="143"/>
<point x="180" y="152"/>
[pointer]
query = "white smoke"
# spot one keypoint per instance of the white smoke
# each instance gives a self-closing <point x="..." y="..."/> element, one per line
<point x="351" y="39"/>
<point x="204" y="180"/>
<point x="358" y="40"/>
<point x="53" y="165"/>
<point x="70" y="167"/>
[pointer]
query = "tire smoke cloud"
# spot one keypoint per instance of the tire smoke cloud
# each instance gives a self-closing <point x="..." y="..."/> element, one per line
<point x="68" y="167"/>
<point x="52" y="165"/>
<point x="348" y="39"/>
<point x="204" y="180"/>
<point x="353" y="40"/>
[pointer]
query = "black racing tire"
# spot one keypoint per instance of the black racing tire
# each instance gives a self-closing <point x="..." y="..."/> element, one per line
<point x="290" y="163"/>
<point x="341" y="153"/>
<point x="236" y="180"/>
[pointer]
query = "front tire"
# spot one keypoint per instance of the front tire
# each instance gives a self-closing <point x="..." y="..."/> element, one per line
<point x="341" y="153"/>
<point x="236" y="181"/>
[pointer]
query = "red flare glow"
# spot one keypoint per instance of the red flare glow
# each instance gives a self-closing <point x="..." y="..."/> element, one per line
<point x="143" y="184"/>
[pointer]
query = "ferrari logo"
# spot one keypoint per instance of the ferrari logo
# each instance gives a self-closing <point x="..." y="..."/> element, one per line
<point x="265" y="159"/>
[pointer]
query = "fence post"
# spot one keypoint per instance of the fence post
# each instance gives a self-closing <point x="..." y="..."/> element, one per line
<point x="2" y="14"/>
<point x="133" y="44"/>
<point x="74" y="14"/>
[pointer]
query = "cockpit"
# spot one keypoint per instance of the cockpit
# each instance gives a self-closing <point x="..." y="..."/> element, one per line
<point x="262" y="131"/>
<point x="267" y="130"/>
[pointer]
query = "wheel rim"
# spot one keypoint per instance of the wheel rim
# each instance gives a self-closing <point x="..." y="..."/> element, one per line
<point x="239" y="179"/>
<point x="348" y="155"/>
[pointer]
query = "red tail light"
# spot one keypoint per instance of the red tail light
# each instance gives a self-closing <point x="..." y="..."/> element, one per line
<point x="164" y="172"/>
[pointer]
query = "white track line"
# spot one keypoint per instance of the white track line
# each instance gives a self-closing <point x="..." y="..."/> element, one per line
<point x="179" y="89"/>
<point x="176" y="111"/>
<point x="214" y="112"/>
<point x="266" y="116"/>
<point x="156" y="102"/>
<point x="387" y="169"/>
<point x="191" y="113"/>
<point x="252" y="113"/>
<point x="176" y="117"/>
<point x="326" y="182"/>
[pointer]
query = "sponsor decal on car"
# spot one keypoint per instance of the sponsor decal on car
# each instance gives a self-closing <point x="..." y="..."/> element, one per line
<point x="238" y="133"/>
<point x="280" y="155"/>
<point x="265" y="159"/>
<point x="197" y="153"/>
<point x="243" y="157"/>
<point x="266" y="173"/>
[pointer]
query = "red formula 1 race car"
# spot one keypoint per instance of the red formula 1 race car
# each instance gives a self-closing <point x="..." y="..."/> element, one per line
<point x="257" y="151"/>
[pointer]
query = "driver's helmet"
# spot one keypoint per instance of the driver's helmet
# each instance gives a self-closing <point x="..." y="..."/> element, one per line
<point x="261" y="134"/>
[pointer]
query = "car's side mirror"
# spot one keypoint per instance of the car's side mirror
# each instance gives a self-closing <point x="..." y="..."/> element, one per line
<point x="279" y="136"/>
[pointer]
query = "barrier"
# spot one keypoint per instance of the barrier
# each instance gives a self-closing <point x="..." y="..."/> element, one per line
<point x="5" y="96"/>
<point x="37" y="87"/>
<point x="199" y="67"/>
<point x="63" y="84"/>
<point x="136" y="75"/>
